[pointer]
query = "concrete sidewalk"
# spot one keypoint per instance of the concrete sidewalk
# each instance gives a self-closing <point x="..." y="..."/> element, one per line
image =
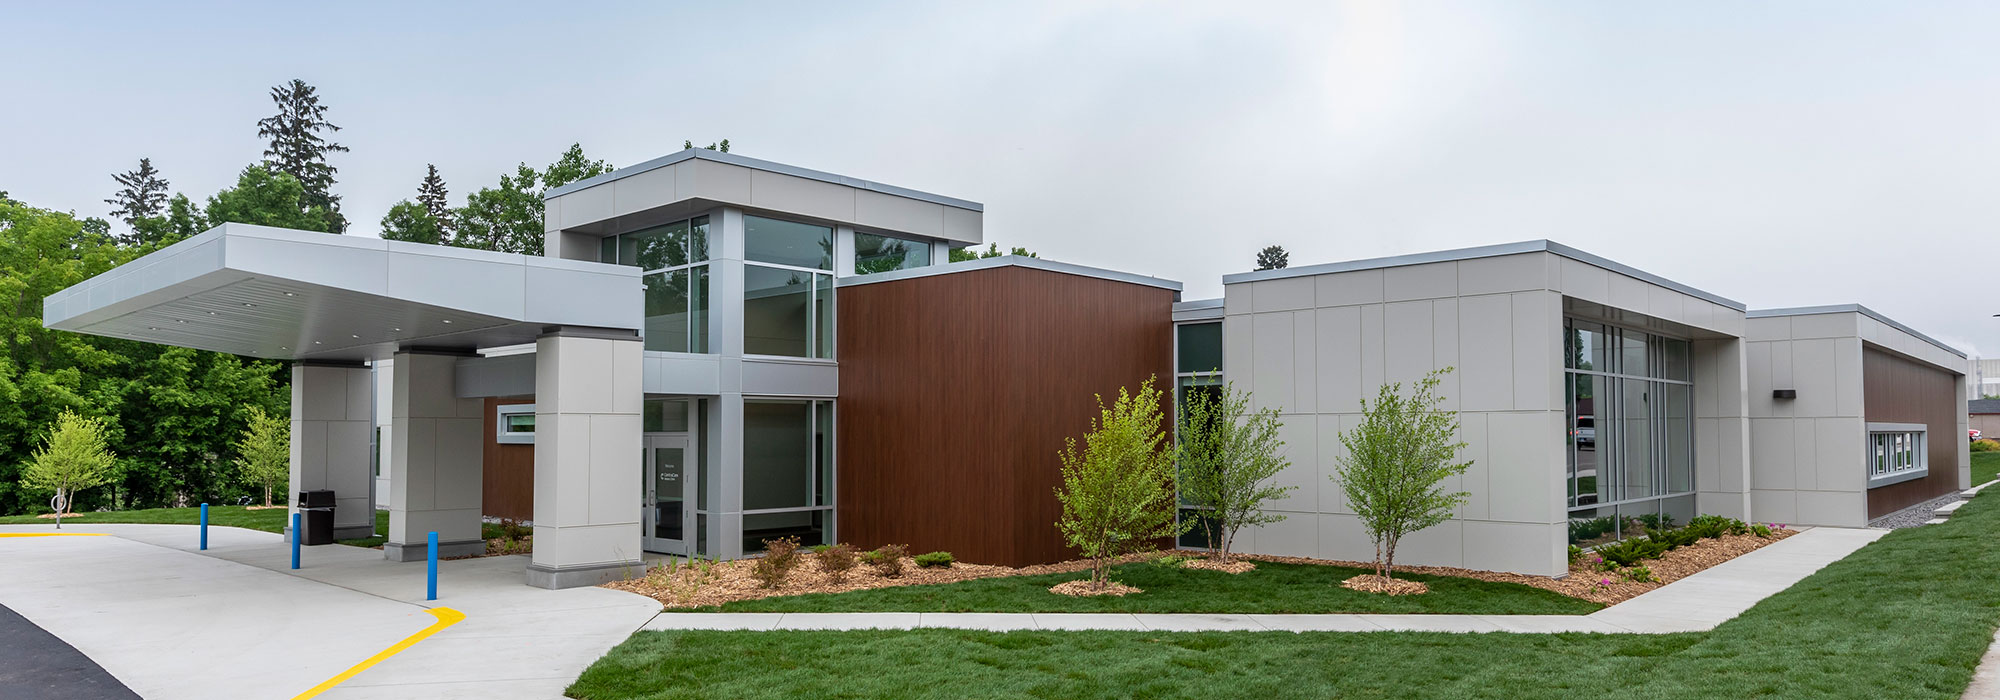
<point x="1693" y="604"/>
<point x="159" y="615"/>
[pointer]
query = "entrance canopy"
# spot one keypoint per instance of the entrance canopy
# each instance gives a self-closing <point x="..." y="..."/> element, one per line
<point x="285" y="294"/>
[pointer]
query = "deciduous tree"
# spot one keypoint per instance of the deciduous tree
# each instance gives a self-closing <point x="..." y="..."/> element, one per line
<point x="266" y="197"/>
<point x="409" y="221"/>
<point x="1397" y="462"/>
<point x="74" y="456"/>
<point x="264" y="454"/>
<point x="1117" y="491"/>
<point x="1229" y="455"/>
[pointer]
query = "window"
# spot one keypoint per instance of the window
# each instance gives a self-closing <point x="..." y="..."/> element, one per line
<point x="1896" y="453"/>
<point x="873" y="253"/>
<point x="787" y="243"/>
<point x="675" y="258"/>
<point x="1630" y="430"/>
<point x="516" y="424"/>
<point x="787" y="289"/>
<point x="1197" y="372"/>
<point x="787" y="472"/>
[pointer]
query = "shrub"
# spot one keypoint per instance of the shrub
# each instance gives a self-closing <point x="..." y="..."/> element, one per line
<point x="1588" y="529"/>
<point x="1575" y="553"/>
<point x="888" y="561"/>
<point x="1640" y="574"/>
<point x="835" y="560"/>
<point x="780" y="555"/>
<point x="934" y="559"/>
<point x="1760" y="531"/>
<point x="1985" y="445"/>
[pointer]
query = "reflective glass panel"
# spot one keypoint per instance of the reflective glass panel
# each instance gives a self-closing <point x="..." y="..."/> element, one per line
<point x="777" y="454"/>
<point x="667" y="311"/>
<point x="823" y="332"/>
<point x="1200" y="347"/>
<point x="873" y="253"/>
<point x="787" y="243"/>
<point x="776" y="305"/>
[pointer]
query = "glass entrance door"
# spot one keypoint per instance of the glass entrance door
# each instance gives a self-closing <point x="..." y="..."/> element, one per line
<point x="669" y="495"/>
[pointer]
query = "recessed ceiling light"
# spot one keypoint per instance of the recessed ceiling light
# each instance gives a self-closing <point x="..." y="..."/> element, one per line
<point x="315" y="342"/>
<point x="289" y="294"/>
<point x="152" y="328"/>
<point x="180" y="320"/>
<point x="353" y="336"/>
<point x="284" y="348"/>
<point x="248" y="305"/>
<point x="398" y="330"/>
<point x="211" y="313"/>
<point x="447" y="320"/>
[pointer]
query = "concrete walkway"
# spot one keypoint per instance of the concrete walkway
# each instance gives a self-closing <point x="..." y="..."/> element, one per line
<point x="1693" y="604"/>
<point x="235" y="621"/>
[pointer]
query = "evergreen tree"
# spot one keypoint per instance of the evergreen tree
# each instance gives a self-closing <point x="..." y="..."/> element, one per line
<point x="722" y="145"/>
<point x="1273" y="258"/>
<point x="433" y="196"/>
<point x="142" y="194"/>
<point x="296" y="148"/>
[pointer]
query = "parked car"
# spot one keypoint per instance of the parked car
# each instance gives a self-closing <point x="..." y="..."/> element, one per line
<point x="1973" y="434"/>
<point x="1585" y="433"/>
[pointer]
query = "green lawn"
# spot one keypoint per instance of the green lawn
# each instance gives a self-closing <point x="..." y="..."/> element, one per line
<point x="1906" y="617"/>
<point x="272" y="520"/>
<point x="1272" y="588"/>
<point x="1985" y="467"/>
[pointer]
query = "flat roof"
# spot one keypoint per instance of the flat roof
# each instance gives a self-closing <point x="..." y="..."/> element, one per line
<point x="286" y="294"/>
<point x="765" y="165"/>
<point x="1009" y="261"/>
<point x="1198" y="310"/>
<point x="1853" y="309"/>
<point x="1490" y="251"/>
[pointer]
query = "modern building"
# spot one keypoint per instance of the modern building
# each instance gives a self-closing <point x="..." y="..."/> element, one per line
<point x="716" y="350"/>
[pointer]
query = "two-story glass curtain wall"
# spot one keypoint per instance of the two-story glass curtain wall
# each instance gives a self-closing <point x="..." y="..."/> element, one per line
<point x="787" y="288"/>
<point x="675" y="257"/>
<point x="788" y="477"/>
<point x="1630" y="455"/>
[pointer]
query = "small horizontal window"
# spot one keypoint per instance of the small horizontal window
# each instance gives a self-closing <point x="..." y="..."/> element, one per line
<point x="515" y="424"/>
<point x="1895" y="456"/>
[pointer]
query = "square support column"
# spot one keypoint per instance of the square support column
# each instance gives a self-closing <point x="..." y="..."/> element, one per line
<point x="330" y="431"/>
<point x="588" y="461"/>
<point x="436" y="450"/>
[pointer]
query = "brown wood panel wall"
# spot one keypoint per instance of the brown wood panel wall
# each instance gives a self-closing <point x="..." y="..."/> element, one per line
<point x="507" y="472"/>
<point x="1898" y="390"/>
<point x="956" y="392"/>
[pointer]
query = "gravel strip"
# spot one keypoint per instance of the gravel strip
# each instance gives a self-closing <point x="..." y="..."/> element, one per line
<point x="1914" y="515"/>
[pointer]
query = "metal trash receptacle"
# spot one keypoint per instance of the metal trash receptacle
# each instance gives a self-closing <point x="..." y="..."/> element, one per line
<point x="316" y="507"/>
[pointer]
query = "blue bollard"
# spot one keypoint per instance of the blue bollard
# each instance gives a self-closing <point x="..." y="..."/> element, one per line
<point x="296" y="531"/>
<point x="204" y="526"/>
<point x="432" y="593"/>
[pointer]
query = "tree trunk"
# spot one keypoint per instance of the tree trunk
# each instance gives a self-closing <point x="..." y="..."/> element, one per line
<point x="267" y="496"/>
<point x="1389" y="563"/>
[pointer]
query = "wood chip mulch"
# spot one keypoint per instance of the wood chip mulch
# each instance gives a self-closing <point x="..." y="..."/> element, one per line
<point x="705" y="584"/>
<point x="1370" y="583"/>
<point x="1084" y="588"/>
<point x="1236" y="566"/>
<point x="1585" y="580"/>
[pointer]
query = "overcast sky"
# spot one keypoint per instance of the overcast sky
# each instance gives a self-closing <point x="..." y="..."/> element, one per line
<point x="1779" y="154"/>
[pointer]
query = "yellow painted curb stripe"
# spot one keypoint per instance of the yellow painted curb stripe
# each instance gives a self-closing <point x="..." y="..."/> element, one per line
<point x="51" y="534"/>
<point x="446" y="617"/>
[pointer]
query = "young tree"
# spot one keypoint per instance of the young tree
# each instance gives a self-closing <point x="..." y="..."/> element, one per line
<point x="73" y="457"/>
<point x="1273" y="258"/>
<point x="142" y="194"/>
<point x="1396" y="463"/>
<point x="431" y="193"/>
<point x="264" y="453"/>
<point x="1117" y="492"/>
<point x="296" y="148"/>
<point x="1229" y="454"/>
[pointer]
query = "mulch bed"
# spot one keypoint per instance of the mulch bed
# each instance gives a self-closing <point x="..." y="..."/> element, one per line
<point x="1084" y="588"/>
<point x="1235" y="566"/>
<point x="705" y="584"/>
<point x="1585" y="580"/>
<point x="1371" y="583"/>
